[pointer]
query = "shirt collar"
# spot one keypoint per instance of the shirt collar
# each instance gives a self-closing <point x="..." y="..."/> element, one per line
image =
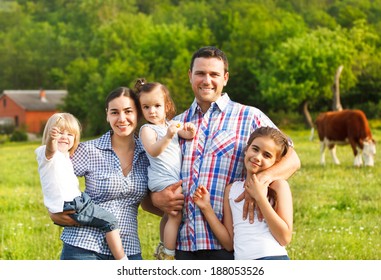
<point x="221" y="104"/>
<point x="104" y="143"/>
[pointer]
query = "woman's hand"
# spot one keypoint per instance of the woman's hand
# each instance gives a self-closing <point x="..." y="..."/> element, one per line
<point x="63" y="218"/>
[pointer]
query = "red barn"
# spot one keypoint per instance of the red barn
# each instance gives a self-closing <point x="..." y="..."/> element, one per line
<point x="30" y="108"/>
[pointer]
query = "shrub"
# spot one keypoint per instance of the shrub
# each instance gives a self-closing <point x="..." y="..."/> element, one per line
<point x="19" y="136"/>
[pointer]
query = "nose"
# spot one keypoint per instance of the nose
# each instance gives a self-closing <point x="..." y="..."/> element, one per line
<point x="122" y="116"/>
<point x="64" y="134"/>
<point x="207" y="79"/>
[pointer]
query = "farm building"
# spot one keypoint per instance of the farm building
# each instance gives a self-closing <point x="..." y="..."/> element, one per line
<point x="30" y="108"/>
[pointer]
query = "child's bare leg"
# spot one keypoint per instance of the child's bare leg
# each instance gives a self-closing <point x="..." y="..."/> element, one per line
<point x="115" y="244"/>
<point x="170" y="233"/>
<point x="163" y="221"/>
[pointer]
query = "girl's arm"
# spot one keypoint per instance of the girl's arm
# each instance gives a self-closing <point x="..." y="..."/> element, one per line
<point x="224" y="233"/>
<point x="153" y="146"/>
<point x="51" y="144"/>
<point x="279" y="220"/>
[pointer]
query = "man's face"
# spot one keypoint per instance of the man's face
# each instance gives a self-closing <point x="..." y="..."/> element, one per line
<point x="208" y="79"/>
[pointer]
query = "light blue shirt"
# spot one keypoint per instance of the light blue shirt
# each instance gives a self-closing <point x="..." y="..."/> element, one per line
<point x="164" y="169"/>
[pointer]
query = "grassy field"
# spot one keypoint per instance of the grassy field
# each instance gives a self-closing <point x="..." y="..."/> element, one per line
<point x="336" y="208"/>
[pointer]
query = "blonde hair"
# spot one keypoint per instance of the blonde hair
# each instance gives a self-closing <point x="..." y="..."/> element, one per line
<point x="64" y="121"/>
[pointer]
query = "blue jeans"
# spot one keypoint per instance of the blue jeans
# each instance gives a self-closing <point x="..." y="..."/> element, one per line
<point x="284" y="257"/>
<point x="70" y="252"/>
<point x="87" y="213"/>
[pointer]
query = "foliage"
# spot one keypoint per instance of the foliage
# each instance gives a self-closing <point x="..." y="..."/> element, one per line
<point x="303" y="68"/>
<point x="18" y="135"/>
<point x="281" y="52"/>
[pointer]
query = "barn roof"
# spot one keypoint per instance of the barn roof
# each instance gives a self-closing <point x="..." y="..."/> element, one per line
<point x="32" y="100"/>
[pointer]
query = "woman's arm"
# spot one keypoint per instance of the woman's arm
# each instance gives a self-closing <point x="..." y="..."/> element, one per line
<point x="202" y="199"/>
<point x="63" y="218"/>
<point x="148" y="206"/>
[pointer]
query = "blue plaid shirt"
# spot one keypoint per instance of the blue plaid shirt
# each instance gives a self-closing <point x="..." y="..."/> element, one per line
<point x="110" y="189"/>
<point x="213" y="158"/>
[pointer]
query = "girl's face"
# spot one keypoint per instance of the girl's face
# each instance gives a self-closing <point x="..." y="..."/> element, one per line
<point x="260" y="154"/>
<point x="66" y="141"/>
<point x="122" y="115"/>
<point x="153" y="106"/>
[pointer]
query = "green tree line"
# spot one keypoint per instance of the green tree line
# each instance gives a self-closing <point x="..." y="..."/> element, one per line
<point x="282" y="53"/>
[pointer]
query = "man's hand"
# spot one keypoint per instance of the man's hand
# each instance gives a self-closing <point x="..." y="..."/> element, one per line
<point x="170" y="200"/>
<point x="63" y="218"/>
<point x="249" y="205"/>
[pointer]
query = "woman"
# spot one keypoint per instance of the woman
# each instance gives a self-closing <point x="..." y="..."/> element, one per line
<point x="115" y="171"/>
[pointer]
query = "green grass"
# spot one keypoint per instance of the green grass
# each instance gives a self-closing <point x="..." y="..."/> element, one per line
<point x="336" y="208"/>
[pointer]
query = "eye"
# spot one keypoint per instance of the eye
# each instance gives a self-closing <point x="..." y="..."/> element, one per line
<point x="255" y="148"/>
<point x="267" y="155"/>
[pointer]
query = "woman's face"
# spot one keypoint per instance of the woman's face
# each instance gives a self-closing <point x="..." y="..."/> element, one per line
<point x="122" y="114"/>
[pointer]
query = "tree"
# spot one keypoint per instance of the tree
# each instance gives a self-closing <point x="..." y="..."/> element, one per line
<point x="301" y="69"/>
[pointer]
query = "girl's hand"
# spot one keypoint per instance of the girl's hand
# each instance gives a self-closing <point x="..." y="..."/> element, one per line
<point x="256" y="189"/>
<point x="201" y="197"/>
<point x="190" y="127"/>
<point x="55" y="133"/>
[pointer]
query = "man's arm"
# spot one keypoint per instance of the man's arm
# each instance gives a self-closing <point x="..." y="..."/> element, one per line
<point x="170" y="200"/>
<point x="283" y="169"/>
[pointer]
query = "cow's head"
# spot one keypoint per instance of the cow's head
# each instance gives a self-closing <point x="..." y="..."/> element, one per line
<point x="368" y="152"/>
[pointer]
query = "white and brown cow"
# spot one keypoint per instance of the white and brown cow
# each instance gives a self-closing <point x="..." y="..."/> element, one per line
<point x="346" y="127"/>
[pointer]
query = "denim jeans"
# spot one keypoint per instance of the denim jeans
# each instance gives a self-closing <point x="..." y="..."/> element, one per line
<point x="284" y="257"/>
<point x="75" y="253"/>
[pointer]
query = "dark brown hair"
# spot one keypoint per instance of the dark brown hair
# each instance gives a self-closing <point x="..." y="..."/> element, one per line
<point x="123" y="91"/>
<point x="141" y="86"/>
<point x="281" y="141"/>
<point x="210" y="52"/>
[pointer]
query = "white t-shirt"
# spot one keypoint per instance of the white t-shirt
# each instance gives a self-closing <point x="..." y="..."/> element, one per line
<point x="251" y="241"/>
<point x="58" y="181"/>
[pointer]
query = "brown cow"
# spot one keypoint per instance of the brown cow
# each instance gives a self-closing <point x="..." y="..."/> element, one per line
<point x="346" y="127"/>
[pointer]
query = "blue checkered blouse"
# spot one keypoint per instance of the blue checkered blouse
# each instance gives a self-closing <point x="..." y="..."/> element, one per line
<point x="108" y="187"/>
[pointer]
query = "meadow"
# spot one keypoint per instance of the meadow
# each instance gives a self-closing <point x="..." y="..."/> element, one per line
<point x="336" y="208"/>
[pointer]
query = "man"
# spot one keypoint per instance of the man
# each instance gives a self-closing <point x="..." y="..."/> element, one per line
<point x="214" y="157"/>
